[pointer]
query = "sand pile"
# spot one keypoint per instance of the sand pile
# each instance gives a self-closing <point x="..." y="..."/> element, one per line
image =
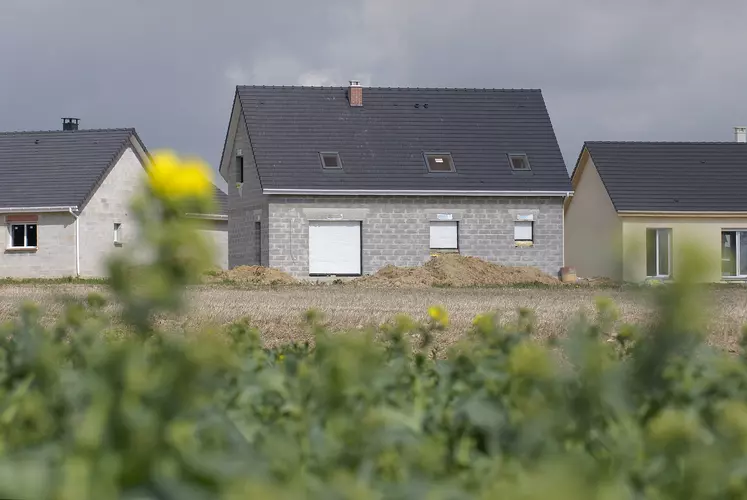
<point x="455" y="271"/>
<point x="254" y="275"/>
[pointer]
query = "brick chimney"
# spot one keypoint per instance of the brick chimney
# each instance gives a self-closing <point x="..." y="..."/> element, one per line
<point x="740" y="134"/>
<point x="355" y="93"/>
<point x="70" y="123"/>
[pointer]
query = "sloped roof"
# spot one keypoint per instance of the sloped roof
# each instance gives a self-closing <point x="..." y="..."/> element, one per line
<point x="56" y="168"/>
<point x="221" y="201"/>
<point x="381" y="144"/>
<point x="673" y="176"/>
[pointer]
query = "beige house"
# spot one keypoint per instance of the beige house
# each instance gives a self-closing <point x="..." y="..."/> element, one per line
<point x="638" y="205"/>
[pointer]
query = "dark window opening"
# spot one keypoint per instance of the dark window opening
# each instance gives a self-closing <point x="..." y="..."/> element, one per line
<point x="519" y="162"/>
<point x="439" y="162"/>
<point x="258" y="242"/>
<point x="240" y="169"/>
<point x="330" y="160"/>
<point x="30" y="235"/>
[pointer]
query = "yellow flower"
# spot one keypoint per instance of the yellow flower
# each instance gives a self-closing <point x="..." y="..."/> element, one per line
<point x="173" y="178"/>
<point x="439" y="315"/>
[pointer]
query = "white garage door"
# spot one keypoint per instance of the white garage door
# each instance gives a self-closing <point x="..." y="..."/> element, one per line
<point x="334" y="247"/>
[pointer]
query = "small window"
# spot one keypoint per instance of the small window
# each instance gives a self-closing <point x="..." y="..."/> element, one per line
<point x="519" y="163"/>
<point x="444" y="236"/>
<point x="258" y="243"/>
<point x="330" y="160"/>
<point x="23" y="236"/>
<point x="439" y="162"/>
<point x="524" y="232"/>
<point x="117" y="233"/>
<point x="240" y="169"/>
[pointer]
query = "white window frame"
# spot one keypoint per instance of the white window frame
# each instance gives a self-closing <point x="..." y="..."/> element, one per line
<point x="117" y="233"/>
<point x="737" y="254"/>
<point x="523" y="223"/>
<point x="669" y="246"/>
<point x="433" y="223"/>
<point x="25" y="235"/>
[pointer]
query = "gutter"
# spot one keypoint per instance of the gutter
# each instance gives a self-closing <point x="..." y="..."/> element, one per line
<point x="13" y="210"/>
<point x="415" y="192"/>
<point x="77" y="243"/>
<point x="208" y="216"/>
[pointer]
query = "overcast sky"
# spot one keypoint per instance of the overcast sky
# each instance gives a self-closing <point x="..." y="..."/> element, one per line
<point x="622" y="70"/>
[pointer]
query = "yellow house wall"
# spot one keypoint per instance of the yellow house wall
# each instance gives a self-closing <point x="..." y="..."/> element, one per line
<point x="704" y="233"/>
<point x="593" y="230"/>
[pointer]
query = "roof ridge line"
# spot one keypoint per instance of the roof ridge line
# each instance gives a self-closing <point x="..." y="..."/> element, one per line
<point x="333" y="87"/>
<point x="20" y="132"/>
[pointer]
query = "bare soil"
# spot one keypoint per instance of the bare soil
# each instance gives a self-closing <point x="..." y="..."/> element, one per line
<point x="252" y="275"/>
<point x="453" y="270"/>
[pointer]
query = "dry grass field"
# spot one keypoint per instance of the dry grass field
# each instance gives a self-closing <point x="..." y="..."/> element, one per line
<point x="278" y="312"/>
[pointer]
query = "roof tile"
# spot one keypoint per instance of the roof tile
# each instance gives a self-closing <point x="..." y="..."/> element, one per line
<point x="381" y="144"/>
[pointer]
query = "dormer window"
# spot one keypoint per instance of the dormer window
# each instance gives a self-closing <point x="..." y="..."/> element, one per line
<point x="519" y="162"/>
<point x="330" y="161"/>
<point x="439" y="162"/>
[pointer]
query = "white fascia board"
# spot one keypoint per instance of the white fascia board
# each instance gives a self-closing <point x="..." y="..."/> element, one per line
<point x="12" y="210"/>
<point x="398" y="192"/>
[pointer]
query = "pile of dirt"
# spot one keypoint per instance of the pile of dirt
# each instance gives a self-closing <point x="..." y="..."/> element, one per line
<point x="255" y="275"/>
<point x="455" y="271"/>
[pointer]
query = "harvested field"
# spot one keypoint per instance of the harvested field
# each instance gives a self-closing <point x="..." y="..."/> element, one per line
<point x="278" y="311"/>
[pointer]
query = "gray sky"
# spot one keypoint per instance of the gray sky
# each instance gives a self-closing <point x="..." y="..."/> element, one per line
<point x="622" y="70"/>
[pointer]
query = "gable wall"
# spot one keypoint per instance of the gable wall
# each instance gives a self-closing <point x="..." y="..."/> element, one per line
<point x="109" y="204"/>
<point x="593" y="230"/>
<point x="246" y="206"/>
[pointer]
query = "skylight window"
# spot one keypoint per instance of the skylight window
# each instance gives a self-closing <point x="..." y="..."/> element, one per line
<point x="439" y="162"/>
<point x="520" y="163"/>
<point x="330" y="160"/>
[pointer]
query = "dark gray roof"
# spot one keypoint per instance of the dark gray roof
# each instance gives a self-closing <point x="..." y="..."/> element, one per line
<point x="673" y="176"/>
<point x="56" y="168"/>
<point x="221" y="201"/>
<point x="381" y="144"/>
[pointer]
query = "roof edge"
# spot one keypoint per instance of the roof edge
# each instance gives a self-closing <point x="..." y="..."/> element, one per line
<point x="682" y="213"/>
<point x="416" y="192"/>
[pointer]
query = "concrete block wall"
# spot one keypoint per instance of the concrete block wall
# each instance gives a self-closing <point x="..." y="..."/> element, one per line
<point x="54" y="257"/>
<point x="109" y="204"/>
<point x="245" y="204"/>
<point x="396" y="230"/>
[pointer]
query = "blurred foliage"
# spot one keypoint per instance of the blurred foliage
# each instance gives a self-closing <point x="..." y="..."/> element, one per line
<point x="611" y="412"/>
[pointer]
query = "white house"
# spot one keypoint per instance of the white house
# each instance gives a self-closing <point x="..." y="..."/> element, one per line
<point x="65" y="200"/>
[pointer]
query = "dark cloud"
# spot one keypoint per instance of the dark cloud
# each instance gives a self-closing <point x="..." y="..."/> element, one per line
<point x="635" y="70"/>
